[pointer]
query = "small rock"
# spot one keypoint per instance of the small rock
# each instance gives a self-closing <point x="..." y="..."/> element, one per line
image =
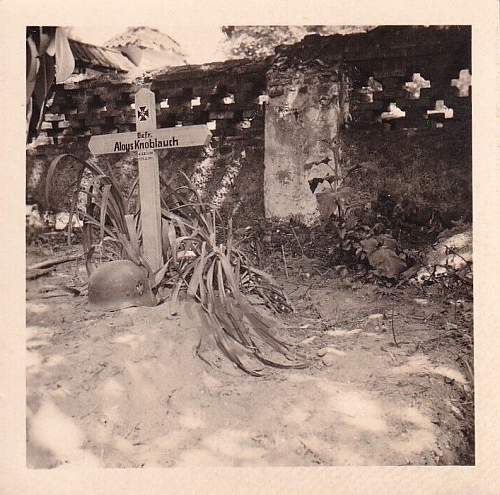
<point x="423" y="275"/>
<point x="387" y="263"/>
<point x="456" y="411"/>
<point x="322" y="352"/>
<point x="342" y="333"/>
<point x="338" y="352"/>
<point x="329" y="359"/>
<point x="375" y="321"/>
<point x="421" y="302"/>
<point x="330" y="350"/>
<point x="309" y="340"/>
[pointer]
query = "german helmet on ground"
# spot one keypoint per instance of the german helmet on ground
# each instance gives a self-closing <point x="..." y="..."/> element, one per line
<point x="119" y="284"/>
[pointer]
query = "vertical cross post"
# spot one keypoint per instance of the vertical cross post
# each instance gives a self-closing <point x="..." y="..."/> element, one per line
<point x="146" y="140"/>
<point x="149" y="180"/>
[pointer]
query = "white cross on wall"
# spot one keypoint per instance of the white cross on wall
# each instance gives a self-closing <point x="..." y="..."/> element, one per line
<point x="415" y="85"/>
<point x="373" y="86"/>
<point x="394" y="112"/>
<point x="440" y="107"/>
<point x="463" y="83"/>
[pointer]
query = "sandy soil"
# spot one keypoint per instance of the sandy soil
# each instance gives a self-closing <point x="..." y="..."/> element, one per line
<point x="124" y="389"/>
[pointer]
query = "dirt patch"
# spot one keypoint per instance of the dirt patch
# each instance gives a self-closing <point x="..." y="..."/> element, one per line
<point x="125" y="389"/>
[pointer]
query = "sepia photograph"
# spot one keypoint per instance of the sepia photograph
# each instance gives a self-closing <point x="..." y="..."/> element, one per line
<point x="251" y="248"/>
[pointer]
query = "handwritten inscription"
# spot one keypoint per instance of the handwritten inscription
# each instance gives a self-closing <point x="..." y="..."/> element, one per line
<point x="145" y="141"/>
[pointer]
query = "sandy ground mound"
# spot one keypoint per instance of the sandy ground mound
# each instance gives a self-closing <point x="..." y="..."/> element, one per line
<point x="125" y="389"/>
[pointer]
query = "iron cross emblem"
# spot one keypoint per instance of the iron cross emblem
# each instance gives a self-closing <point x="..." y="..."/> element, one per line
<point x="143" y="113"/>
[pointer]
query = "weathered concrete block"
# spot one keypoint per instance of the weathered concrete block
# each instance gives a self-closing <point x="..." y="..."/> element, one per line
<point x="299" y="130"/>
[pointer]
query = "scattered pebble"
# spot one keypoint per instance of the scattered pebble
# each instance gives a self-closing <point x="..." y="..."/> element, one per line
<point x="338" y="352"/>
<point x="456" y="411"/>
<point x="329" y="359"/>
<point x="421" y="302"/>
<point x="36" y="343"/>
<point x="330" y="350"/>
<point x="341" y="333"/>
<point x="375" y="321"/>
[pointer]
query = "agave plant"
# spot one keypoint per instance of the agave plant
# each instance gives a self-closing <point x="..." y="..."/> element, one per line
<point x="202" y="258"/>
<point x="106" y="223"/>
<point x="220" y="276"/>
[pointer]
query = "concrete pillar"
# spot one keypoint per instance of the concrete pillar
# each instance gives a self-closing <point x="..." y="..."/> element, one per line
<point x="301" y="125"/>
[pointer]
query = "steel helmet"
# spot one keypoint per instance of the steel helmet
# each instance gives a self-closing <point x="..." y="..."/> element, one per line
<point x="119" y="284"/>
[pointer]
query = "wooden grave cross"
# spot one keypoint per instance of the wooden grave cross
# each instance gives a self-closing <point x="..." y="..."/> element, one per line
<point x="146" y="140"/>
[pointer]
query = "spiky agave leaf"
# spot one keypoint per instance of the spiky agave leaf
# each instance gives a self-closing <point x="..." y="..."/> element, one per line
<point x="105" y="210"/>
<point x="215" y="279"/>
<point x="240" y="323"/>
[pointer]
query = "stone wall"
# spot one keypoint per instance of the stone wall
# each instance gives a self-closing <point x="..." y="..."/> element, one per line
<point x="287" y="128"/>
<point x="223" y="95"/>
<point x="408" y="80"/>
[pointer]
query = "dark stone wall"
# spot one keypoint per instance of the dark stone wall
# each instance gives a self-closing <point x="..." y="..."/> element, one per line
<point x="328" y="100"/>
<point x="432" y="169"/>
<point x="398" y="108"/>
<point x="245" y="195"/>
<point x="226" y="95"/>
